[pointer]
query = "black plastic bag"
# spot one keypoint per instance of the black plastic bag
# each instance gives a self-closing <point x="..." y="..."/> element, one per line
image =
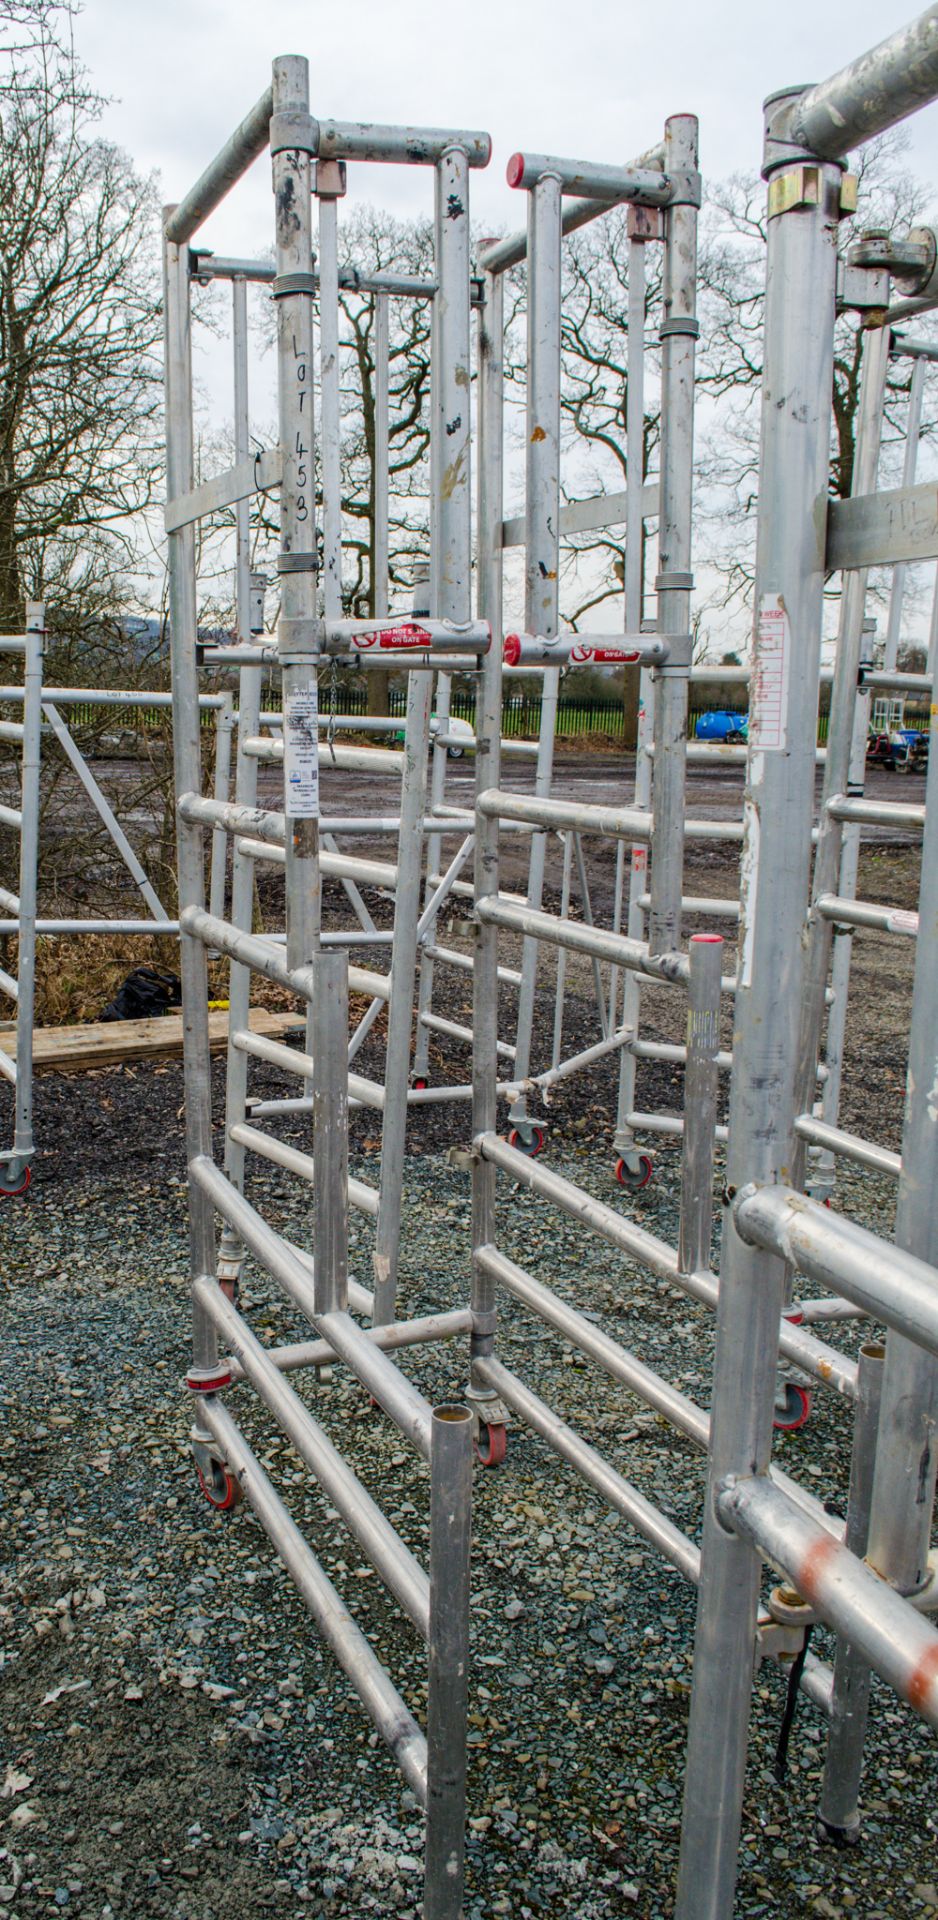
<point x="145" y="994"/>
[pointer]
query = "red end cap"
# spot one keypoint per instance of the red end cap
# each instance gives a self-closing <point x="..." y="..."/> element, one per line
<point x="514" y="172"/>
<point x="709" y="939"/>
<point x="511" y="652"/>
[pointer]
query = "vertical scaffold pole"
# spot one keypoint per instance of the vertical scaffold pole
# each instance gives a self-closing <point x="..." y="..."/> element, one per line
<point x="796" y="389"/>
<point x="634" y="610"/>
<point x="224" y="728"/>
<point x="488" y="760"/>
<point x="542" y="544"/>
<point x="330" y="184"/>
<point x="450" y="1533"/>
<point x="382" y="351"/>
<point x="403" y="971"/>
<point x="187" y="773"/>
<point x="231" y="1252"/>
<point x="674" y="583"/>
<point x="907" y="1447"/>
<point x="330" y="1130"/>
<point x="450" y="472"/>
<point x="300" y="626"/>
<point x="932" y="653"/>
<point x="913" y="427"/>
<point x="840" y="734"/>
<point x="838" y="1813"/>
<point x="700" y="1102"/>
<point x="822" y="1165"/>
<point x="17" y="1166"/>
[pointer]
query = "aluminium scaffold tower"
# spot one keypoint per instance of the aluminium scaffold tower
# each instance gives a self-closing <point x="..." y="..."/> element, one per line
<point x="875" y="1605"/>
<point x="873" y="1586"/>
<point x="48" y="710"/>
<point x="498" y="1392"/>
<point x="436" y="1604"/>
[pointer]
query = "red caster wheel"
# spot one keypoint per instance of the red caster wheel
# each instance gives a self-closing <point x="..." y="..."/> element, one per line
<point x="11" y="1193"/>
<point x="530" y="1140"/>
<point x="222" y="1491"/>
<point x="796" y="1410"/>
<point x="420" y="1084"/>
<point x="492" y="1445"/>
<point x="635" y="1171"/>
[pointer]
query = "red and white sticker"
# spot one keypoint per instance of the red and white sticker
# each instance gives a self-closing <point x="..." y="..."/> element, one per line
<point x="768" y="723"/>
<point x="405" y="638"/>
<point x="639" y="859"/>
<point x="610" y="656"/>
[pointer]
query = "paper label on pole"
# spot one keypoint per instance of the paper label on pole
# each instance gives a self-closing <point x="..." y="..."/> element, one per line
<point x="639" y="859"/>
<point x="768" y="718"/>
<point x="301" y="752"/>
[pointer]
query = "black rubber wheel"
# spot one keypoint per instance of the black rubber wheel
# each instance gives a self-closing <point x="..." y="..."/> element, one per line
<point x="796" y="1412"/>
<point x="222" y="1491"/>
<point x="629" y="1176"/>
<point x="529" y="1140"/>
<point x="12" y="1193"/>
<point x="492" y="1445"/>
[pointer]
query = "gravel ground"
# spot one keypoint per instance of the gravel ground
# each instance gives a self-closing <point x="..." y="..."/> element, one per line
<point x="175" y="1743"/>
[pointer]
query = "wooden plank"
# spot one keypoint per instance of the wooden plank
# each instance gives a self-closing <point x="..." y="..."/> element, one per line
<point x="109" y="1043"/>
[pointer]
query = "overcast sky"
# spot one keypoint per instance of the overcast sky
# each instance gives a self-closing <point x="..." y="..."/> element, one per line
<point x="591" y="81"/>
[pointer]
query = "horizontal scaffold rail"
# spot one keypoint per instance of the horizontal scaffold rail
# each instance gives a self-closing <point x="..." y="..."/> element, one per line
<point x="865" y="913"/>
<point x="401" y="1401"/>
<point x="850" y="1146"/>
<point x="585" y="649"/>
<point x="377" y="1692"/>
<point x="888" y="1283"/>
<point x="798" y="1346"/>
<point x="898" y="1643"/>
<point x="399" y="1569"/>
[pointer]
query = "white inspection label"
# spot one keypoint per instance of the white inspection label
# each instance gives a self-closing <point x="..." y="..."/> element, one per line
<point x="301" y="752"/>
<point x="768" y="721"/>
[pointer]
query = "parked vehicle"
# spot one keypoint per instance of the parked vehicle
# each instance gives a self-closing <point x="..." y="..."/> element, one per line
<point x="891" y="743"/>
<point x="723" y="728"/>
<point x="902" y="749"/>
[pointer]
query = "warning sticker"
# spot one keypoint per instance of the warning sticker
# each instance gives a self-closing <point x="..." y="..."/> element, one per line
<point x="406" y="637"/>
<point x="581" y="653"/>
<point x="301" y="752"/>
<point x="639" y="859"/>
<point x="768" y="721"/>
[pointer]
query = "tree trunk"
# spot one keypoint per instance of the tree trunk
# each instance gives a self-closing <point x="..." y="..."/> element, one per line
<point x="12" y="605"/>
<point x="630" y="684"/>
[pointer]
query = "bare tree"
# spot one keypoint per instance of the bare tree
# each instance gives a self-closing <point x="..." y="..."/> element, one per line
<point x="80" y="393"/>
<point x="732" y="263"/>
